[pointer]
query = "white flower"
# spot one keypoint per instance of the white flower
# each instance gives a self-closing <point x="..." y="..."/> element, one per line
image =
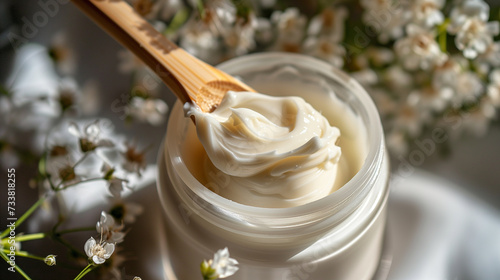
<point x="222" y="265"/>
<point x="240" y="38"/>
<point x="68" y="94"/>
<point x="134" y="160"/>
<point x="410" y="119"/>
<point x="365" y="77"/>
<point x="380" y="56"/>
<point x="427" y="13"/>
<point x="489" y="58"/>
<point x="151" y="110"/>
<point x="290" y="25"/>
<point x="446" y="75"/>
<point x="63" y="173"/>
<point x="466" y="10"/>
<point x="90" y="138"/>
<point x="419" y="50"/>
<point x="468" y="87"/>
<point x="220" y="15"/>
<point x="431" y="98"/>
<point x="108" y="228"/>
<point x="329" y="23"/>
<point x="397" y="79"/>
<point x="325" y="49"/>
<point x="125" y="211"/>
<point x="475" y="36"/>
<point x="386" y="17"/>
<point x="98" y="252"/>
<point x="469" y="23"/>
<point x="116" y="184"/>
<point x="197" y="39"/>
<point x="62" y="54"/>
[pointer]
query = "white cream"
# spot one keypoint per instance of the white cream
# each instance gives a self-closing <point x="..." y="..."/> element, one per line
<point x="268" y="151"/>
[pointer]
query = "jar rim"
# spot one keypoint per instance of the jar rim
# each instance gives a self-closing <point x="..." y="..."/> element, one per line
<point x="353" y="190"/>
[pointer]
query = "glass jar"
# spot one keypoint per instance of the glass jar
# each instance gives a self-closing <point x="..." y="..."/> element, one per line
<point x="337" y="237"/>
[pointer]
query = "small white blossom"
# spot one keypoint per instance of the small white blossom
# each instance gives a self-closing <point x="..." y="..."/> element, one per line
<point x="469" y="23"/>
<point x="151" y="110"/>
<point x="98" y="252"/>
<point x="397" y="79"/>
<point x="427" y="13"/>
<point x="115" y="184"/>
<point x="488" y="59"/>
<point x="90" y="138"/>
<point x="446" y="75"/>
<point x="108" y="228"/>
<point x="325" y="49"/>
<point x="466" y="10"/>
<point x="62" y="54"/>
<point x="410" y="119"/>
<point x="431" y="98"/>
<point x="330" y="23"/>
<point x="419" y="50"/>
<point x="386" y="17"/>
<point x="290" y="25"/>
<point x="380" y="56"/>
<point x="125" y="211"/>
<point x="197" y="39"/>
<point x="135" y="161"/>
<point x="365" y="77"/>
<point x="468" y="87"/>
<point x="475" y="36"/>
<point x="220" y="15"/>
<point x="222" y="266"/>
<point x="240" y="38"/>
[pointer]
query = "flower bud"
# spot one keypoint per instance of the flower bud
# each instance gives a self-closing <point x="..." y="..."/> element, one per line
<point x="50" y="260"/>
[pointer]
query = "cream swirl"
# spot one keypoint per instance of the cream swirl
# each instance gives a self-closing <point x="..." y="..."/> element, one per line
<point x="268" y="151"/>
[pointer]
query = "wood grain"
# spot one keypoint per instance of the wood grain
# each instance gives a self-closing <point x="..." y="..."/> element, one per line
<point x="191" y="79"/>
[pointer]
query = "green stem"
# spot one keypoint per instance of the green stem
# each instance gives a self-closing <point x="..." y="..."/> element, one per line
<point x="24" y="216"/>
<point x="16" y="267"/>
<point x="77" y="183"/>
<point x="86" y="270"/>
<point x="442" y="35"/>
<point x="28" y="237"/>
<point x="179" y="19"/>
<point x="25" y="255"/>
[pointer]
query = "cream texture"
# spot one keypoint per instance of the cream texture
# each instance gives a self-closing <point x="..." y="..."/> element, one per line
<point x="268" y="151"/>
